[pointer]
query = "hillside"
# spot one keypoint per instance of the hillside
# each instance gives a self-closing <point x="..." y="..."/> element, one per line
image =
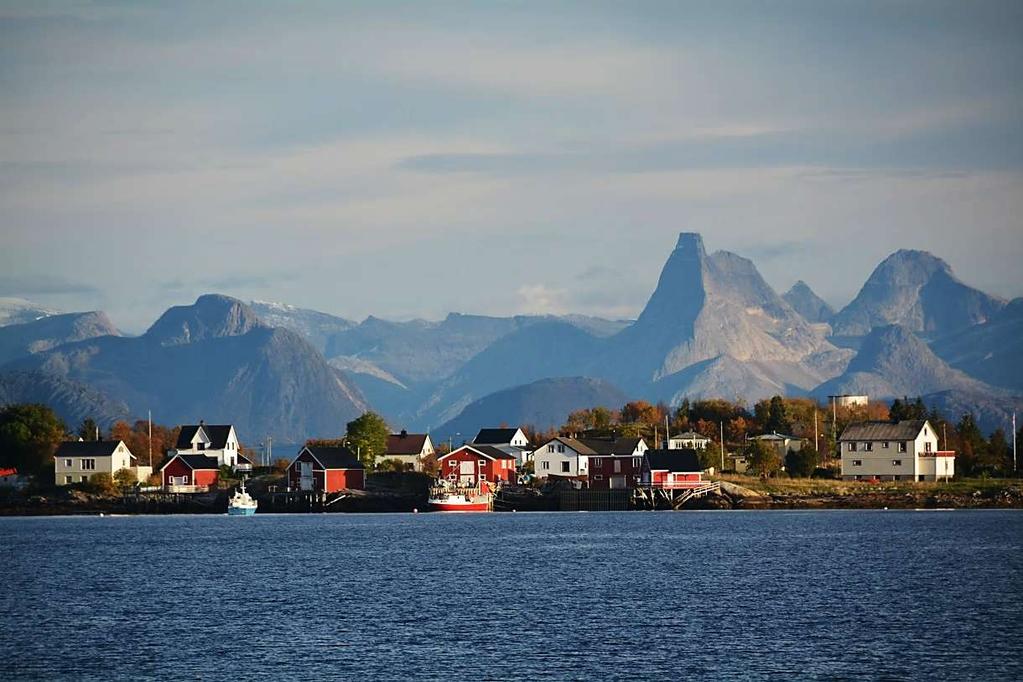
<point x="214" y="360"/>
<point x="71" y="400"/>
<point x="991" y="352"/>
<point x="314" y="326"/>
<point x="19" y="340"/>
<point x="807" y="303"/>
<point x="19" y="311"/>
<point x="542" y="404"/>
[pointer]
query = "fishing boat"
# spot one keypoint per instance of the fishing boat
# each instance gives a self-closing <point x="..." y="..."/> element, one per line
<point x="241" y="503"/>
<point x="445" y="496"/>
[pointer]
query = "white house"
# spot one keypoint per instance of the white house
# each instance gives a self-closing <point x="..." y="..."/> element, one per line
<point x="77" y="461"/>
<point x="780" y="442"/>
<point x="576" y="457"/>
<point x="212" y="440"/>
<point x="690" y="440"/>
<point x="898" y="451"/>
<point x="409" y="448"/>
<point x="510" y="441"/>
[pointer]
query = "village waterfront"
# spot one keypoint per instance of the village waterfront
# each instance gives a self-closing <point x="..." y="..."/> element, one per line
<point x="708" y="595"/>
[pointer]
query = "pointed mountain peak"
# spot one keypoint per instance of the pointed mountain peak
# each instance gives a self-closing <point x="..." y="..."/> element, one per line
<point x="211" y="316"/>
<point x="807" y="303"/>
<point x="691" y="242"/>
<point x="916" y="289"/>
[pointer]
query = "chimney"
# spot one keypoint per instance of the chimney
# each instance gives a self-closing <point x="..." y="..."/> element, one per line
<point x="404" y="433"/>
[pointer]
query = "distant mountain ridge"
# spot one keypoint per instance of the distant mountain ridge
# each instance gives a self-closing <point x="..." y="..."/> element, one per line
<point x="20" y="340"/>
<point x="919" y="291"/>
<point x="807" y="303"/>
<point x="18" y="311"/>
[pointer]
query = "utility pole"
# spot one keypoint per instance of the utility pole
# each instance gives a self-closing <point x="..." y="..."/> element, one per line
<point x="722" y="447"/>
<point x="150" y="439"/>
<point x="816" y="445"/>
<point x="667" y="433"/>
<point x="1014" y="441"/>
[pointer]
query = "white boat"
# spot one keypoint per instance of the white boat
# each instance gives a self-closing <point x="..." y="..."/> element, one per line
<point x="241" y="503"/>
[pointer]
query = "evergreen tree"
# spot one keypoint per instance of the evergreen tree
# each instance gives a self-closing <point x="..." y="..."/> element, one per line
<point x="88" y="429"/>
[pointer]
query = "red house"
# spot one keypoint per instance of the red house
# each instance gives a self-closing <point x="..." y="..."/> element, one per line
<point x="672" y="469"/>
<point x="326" y="469"/>
<point x="470" y="464"/>
<point x="190" y="473"/>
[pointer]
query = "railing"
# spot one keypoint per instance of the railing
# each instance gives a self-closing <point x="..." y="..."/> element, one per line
<point x="674" y="485"/>
<point x="187" y="488"/>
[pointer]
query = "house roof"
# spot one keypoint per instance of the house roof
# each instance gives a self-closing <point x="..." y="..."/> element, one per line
<point x="217" y="433"/>
<point x="88" y="448"/>
<point x="907" y="429"/>
<point x="195" y="462"/>
<point x="486" y="450"/>
<point x="8" y="472"/>
<point x="243" y="458"/>
<point x="602" y="446"/>
<point x="690" y="435"/>
<point x="774" y="436"/>
<point x="334" y="456"/>
<point x="406" y="443"/>
<point x="685" y="460"/>
<point x="494" y="436"/>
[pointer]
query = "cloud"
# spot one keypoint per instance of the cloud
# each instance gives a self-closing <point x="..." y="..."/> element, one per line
<point x="43" y="285"/>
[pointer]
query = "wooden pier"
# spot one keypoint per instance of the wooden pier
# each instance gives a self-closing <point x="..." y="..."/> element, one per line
<point x="671" y="497"/>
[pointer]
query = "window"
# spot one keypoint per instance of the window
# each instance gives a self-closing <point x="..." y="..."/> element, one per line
<point x="637" y="462"/>
<point x="200" y="446"/>
<point x="618" y="466"/>
<point x="852" y="447"/>
<point x="596" y="462"/>
<point x="550" y="448"/>
<point x="483" y="464"/>
<point x="927" y="446"/>
<point x="483" y="477"/>
<point x="88" y="465"/>
<point x="561" y="448"/>
<point x="85" y="479"/>
<point x="902" y="446"/>
<point x="884" y="445"/>
<point x="857" y="462"/>
<point x="545" y="465"/>
<point x="452" y="463"/>
<point x="598" y="477"/>
<point x="868" y="447"/>
<point x="896" y="462"/>
<point x="67" y="479"/>
<point x="565" y="467"/>
<point x="68" y="463"/>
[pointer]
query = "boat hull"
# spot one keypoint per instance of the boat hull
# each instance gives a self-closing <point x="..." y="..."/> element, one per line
<point x="241" y="511"/>
<point x="455" y="506"/>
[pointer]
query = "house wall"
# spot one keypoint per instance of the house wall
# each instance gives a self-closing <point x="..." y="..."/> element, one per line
<point x="552" y="462"/>
<point x="879" y="461"/>
<point x="341" y="479"/>
<point x="683" y="443"/>
<point x="120" y="459"/>
<point x="605" y="474"/>
<point x="494" y="470"/>
<point x="178" y="469"/>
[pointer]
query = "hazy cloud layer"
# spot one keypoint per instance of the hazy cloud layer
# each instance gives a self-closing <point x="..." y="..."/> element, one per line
<point x="407" y="159"/>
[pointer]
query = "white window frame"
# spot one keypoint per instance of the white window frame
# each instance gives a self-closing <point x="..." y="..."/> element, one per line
<point x="896" y="462"/>
<point x="868" y="447"/>
<point x="857" y="462"/>
<point x="903" y="446"/>
<point x="545" y="465"/>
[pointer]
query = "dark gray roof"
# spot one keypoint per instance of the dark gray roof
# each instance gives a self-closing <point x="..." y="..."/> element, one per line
<point x="217" y="434"/>
<point x="689" y="435"/>
<point x="334" y="457"/>
<point x="494" y="436"/>
<point x="774" y="436"/>
<point x="676" y="461"/>
<point x="87" y="448"/>
<point x="603" y="446"/>
<point x="907" y="429"/>
<point x="405" y="443"/>
<point x="195" y="462"/>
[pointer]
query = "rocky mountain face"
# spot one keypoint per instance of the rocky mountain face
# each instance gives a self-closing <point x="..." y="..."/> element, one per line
<point x="542" y="404"/>
<point x="20" y="311"/>
<point x="19" y="340"/>
<point x="918" y="291"/>
<point x="315" y="327"/>
<point x="71" y="400"/>
<point x="214" y="360"/>
<point x="991" y="352"/>
<point x="807" y="303"/>
<point x="893" y="362"/>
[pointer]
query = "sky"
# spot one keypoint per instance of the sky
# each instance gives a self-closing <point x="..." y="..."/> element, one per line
<point x="410" y="159"/>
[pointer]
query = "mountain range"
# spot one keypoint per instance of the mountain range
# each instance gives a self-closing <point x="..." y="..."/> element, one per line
<point x="712" y="327"/>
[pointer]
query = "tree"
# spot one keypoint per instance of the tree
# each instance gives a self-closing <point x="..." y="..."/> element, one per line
<point x="903" y="409"/>
<point x="88" y="429"/>
<point x="367" y="437"/>
<point x="802" y="463"/>
<point x="29" y="435"/>
<point x="763" y="459"/>
<point x="125" y="478"/>
<point x="102" y="484"/>
<point x="972" y="447"/>
<point x="777" y="419"/>
<point x="394" y="465"/>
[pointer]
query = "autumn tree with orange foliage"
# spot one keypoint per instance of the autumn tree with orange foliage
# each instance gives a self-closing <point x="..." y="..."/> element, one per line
<point x="136" y="437"/>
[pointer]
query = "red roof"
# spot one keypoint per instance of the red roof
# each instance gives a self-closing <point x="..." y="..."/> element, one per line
<point x="8" y="472"/>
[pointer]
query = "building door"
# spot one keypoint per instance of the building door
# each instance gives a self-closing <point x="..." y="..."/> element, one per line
<point x="466" y="473"/>
<point x="305" y="475"/>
